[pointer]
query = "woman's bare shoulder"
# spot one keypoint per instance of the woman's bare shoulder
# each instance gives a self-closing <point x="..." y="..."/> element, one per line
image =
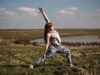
<point x="48" y="34"/>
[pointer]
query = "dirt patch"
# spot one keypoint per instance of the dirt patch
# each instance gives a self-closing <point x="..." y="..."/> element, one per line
<point x="76" y="54"/>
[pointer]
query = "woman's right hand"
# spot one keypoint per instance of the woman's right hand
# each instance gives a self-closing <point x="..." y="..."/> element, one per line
<point x="41" y="10"/>
<point x="44" y="56"/>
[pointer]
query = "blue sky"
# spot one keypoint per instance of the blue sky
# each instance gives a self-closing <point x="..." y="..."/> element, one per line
<point x="64" y="14"/>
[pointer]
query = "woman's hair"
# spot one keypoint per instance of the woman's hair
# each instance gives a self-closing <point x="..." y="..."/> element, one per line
<point x="46" y="30"/>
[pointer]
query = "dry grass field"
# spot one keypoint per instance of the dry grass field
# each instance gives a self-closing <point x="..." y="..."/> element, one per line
<point x="14" y="59"/>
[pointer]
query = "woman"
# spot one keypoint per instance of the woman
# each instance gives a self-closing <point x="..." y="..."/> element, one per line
<point x="52" y="45"/>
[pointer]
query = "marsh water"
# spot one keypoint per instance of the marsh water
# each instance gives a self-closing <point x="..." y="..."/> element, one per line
<point x="85" y="38"/>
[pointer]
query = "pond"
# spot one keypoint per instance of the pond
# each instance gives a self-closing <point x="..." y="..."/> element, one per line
<point x="85" y="38"/>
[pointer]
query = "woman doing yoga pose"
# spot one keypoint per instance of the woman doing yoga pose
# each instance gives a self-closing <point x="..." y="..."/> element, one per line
<point x="52" y="43"/>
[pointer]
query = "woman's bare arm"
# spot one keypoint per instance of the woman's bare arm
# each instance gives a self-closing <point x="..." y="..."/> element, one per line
<point x="47" y="44"/>
<point x="44" y="15"/>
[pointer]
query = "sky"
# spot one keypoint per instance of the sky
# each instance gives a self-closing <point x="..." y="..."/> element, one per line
<point x="64" y="14"/>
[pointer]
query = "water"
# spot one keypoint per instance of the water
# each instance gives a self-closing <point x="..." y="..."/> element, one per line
<point x="85" y="38"/>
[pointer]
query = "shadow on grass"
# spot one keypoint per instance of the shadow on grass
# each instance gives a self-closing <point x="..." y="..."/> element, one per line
<point x="8" y="66"/>
<point x="53" y="65"/>
<point x="27" y="66"/>
<point x="8" y="51"/>
<point x="48" y="65"/>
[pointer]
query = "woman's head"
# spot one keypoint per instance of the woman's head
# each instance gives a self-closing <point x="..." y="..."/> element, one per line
<point x="48" y="27"/>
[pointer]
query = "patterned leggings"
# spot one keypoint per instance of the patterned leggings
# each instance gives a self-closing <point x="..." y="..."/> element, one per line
<point x="52" y="49"/>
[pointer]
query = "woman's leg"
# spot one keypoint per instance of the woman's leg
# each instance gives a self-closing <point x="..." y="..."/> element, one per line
<point x="48" y="55"/>
<point x="62" y="49"/>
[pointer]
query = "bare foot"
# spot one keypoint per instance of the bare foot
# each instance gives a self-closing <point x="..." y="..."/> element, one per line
<point x="71" y="65"/>
<point x="31" y="66"/>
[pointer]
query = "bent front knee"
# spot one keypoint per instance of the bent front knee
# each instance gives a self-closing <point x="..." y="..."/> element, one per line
<point x="68" y="50"/>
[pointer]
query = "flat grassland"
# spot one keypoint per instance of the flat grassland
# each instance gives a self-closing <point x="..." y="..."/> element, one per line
<point x="14" y="59"/>
<point x="30" y="34"/>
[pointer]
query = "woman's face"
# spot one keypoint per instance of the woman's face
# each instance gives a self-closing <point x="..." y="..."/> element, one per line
<point x="52" y="28"/>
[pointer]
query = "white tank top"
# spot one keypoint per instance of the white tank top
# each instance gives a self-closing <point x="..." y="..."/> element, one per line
<point x="55" y="38"/>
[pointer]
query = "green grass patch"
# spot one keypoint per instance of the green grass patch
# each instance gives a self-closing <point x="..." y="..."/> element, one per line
<point x="14" y="60"/>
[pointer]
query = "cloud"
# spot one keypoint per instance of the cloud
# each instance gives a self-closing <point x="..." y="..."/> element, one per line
<point x="91" y="18"/>
<point x="73" y="9"/>
<point x="86" y="19"/>
<point x="68" y="11"/>
<point x="11" y="13"/>
<point x="95" y="15"/>
<point x="2" y="9"/>
<point x="30" y="11"/>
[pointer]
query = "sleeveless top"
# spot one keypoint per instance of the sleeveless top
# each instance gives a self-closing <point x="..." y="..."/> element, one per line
<point x="55" y="38"/>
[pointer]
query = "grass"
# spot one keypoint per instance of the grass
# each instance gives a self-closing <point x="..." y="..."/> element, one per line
<point x="72" y="32"/>
<point x="14" y="60"/>
<point x="21" y="34"/>
<point x="30" y="34"/>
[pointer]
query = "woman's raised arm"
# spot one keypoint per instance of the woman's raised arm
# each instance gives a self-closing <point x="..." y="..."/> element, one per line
<point x="44" y="15"/>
